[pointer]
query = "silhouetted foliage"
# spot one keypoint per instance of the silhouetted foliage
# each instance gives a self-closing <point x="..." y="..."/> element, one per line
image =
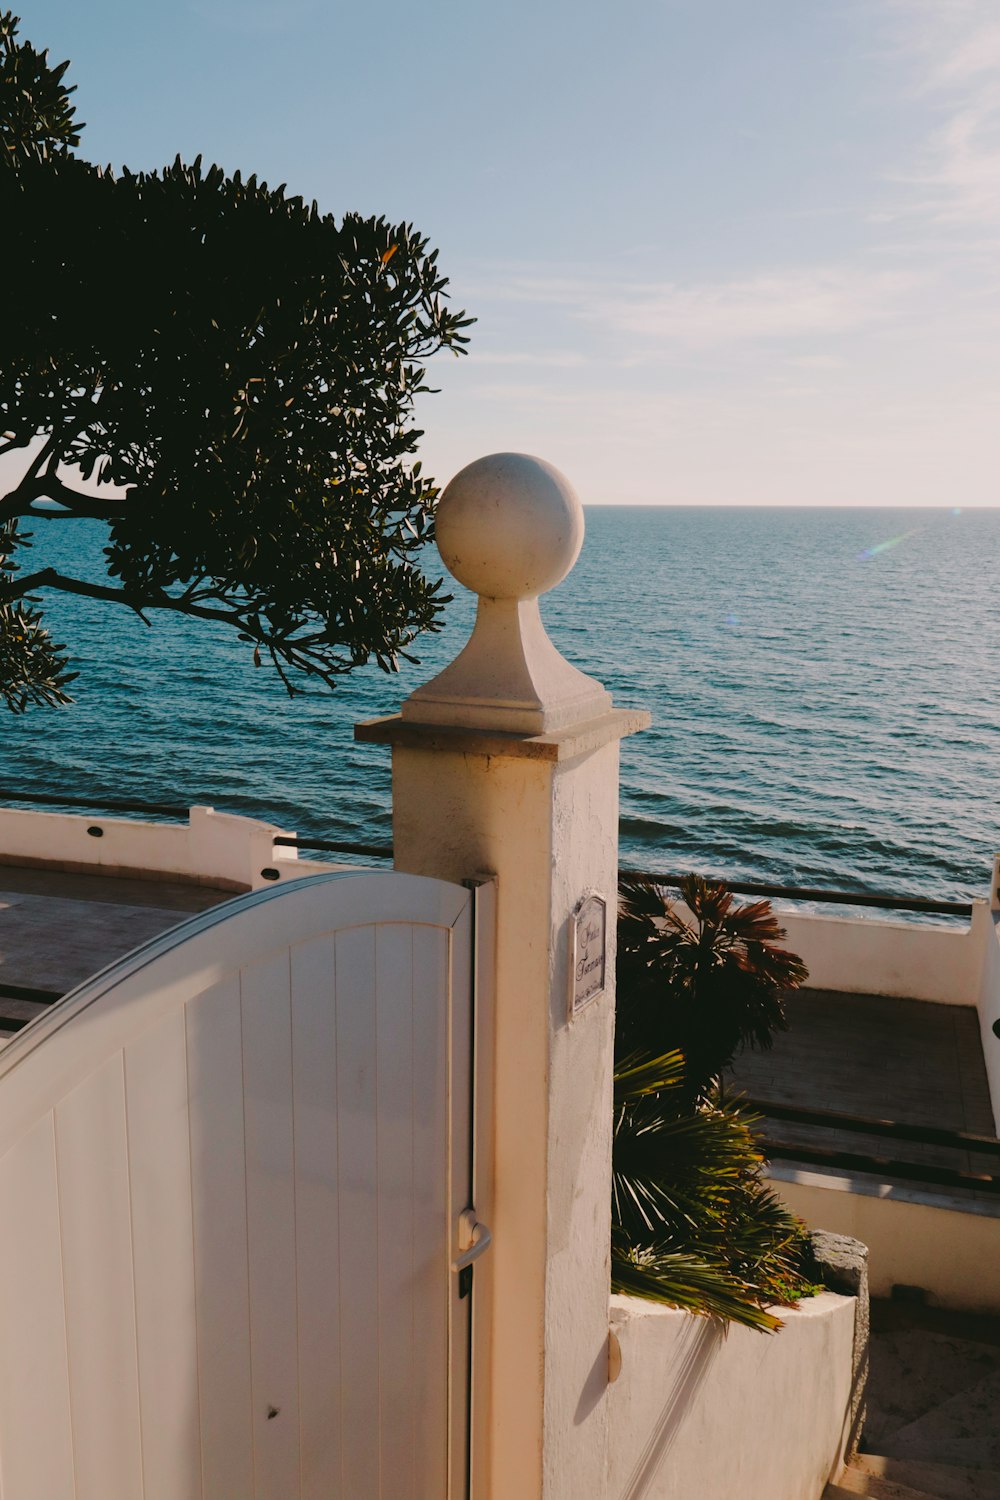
<point x="705" y="975"/>
<point x="36" y="116"/>
<point x="225" y="378"/>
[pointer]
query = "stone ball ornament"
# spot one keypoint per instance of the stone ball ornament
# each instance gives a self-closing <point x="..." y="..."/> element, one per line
<point x="509" y="526"/>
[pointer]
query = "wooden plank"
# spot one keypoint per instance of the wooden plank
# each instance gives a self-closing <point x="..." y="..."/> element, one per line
<point x="395" y="1023"/>
<point x="218" y="1195"/>
<point x="270" y="1179"/>
<point x="317" y="1214"/>
<point x="432" y="1227"/>
<point x="457" y="997"/>
<point x="95" y="1211"/>
<point x="357" y="1171"/>
<point x="156" y="1098"/>
<point x="36" y="1442"/>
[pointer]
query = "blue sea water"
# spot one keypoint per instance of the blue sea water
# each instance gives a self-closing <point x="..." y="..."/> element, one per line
<point x="823" y="685"/>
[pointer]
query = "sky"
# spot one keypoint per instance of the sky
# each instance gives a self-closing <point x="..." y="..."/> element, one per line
<point x="720" y="251"/>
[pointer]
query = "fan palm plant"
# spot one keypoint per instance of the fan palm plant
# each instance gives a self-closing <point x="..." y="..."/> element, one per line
<point x="694" y="1224"/>
<point x="704" y="975"/>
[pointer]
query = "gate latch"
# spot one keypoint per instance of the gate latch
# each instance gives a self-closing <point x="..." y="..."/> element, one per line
<point x="473" y="1239"/>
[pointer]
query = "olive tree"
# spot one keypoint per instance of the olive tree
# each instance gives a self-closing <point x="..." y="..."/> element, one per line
<point x="222" y="376"/>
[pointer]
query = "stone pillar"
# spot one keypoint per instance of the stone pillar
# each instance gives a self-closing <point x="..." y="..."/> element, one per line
<point x="507" y="764"/>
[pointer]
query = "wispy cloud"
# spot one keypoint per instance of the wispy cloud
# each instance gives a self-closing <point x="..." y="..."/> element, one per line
<point x="796" y="303"/>
<point x="954" y="47"/>
<point x="551" y="360"/>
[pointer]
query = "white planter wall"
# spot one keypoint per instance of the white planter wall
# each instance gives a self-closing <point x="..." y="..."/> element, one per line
<point x="701" y="1414"/>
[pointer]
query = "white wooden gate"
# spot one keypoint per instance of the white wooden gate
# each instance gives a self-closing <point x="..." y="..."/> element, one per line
<point x="233" y="1170"/>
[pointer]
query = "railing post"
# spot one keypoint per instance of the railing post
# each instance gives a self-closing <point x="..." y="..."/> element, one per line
<point x="507" y="763"/>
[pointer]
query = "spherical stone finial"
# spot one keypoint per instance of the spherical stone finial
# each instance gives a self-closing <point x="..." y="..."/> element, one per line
<point x="509" y="526"/>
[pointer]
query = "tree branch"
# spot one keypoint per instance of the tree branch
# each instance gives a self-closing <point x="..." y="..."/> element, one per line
<point x="49" y="487"/>
<point x="50" y="578"/>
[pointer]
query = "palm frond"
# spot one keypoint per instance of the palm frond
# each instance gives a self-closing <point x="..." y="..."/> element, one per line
<point x="690" y="1282"/>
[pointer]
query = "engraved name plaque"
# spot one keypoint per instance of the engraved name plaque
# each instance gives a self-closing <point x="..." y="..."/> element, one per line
<point x="588" y="952"/>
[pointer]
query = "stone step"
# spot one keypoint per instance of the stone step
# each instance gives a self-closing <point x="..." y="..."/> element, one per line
<point x="961" y="1431"/>
<point x="946" y="1481"/>
<point x="913" y="1372"/>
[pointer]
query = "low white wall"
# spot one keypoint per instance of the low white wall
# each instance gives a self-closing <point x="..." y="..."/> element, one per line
<point x="211" y="848"/>
<point x="868" y="956"/>
<point x="701" y="1414"/>
<point x="951" y="1254"/>
<point x="989" y="1012"/>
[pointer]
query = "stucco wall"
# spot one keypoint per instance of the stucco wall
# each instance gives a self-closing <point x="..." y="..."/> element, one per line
<point x="699" y="1414"/>
<point x="951" y="1254"/>
<point x="868" y="956"/>
<point x="214" y="848"/>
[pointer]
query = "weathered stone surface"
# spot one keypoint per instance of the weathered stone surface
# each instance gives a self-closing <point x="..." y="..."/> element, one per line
<point x="841" y="1264"/>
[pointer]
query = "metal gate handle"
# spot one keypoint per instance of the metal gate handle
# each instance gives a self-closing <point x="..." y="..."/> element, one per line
<point x="473" y="1238"/>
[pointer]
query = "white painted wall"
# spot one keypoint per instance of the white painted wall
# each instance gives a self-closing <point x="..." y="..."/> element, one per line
<point x="212" y="848"/>
<point x="870" y="956"/>
<point x="952" y="1254"/>
<point x="699" y="1414"/>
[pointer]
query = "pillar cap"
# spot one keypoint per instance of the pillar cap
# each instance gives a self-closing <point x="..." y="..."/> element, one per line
<point x="509" y="527"/>
<point x="564" y="745"/>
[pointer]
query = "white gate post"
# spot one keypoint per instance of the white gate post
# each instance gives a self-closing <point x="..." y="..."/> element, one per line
<point x="507" y="764"/>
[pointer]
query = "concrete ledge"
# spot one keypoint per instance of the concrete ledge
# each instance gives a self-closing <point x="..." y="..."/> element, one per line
<point x="952" y="1252"/>
<point x="564" y="745"/>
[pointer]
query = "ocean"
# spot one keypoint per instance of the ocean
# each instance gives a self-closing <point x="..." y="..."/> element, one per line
<point x="823" y="685"/>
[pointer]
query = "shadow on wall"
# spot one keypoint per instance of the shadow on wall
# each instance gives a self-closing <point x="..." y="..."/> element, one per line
<point x="701" y="1344"/>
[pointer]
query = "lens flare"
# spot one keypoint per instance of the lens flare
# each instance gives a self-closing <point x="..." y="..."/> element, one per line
<point x="893" y="541"/>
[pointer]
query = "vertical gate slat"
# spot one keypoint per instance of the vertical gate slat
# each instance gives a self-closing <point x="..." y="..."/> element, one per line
<point x="156" y="1095"/>
<point x="267" y="1084"/>
<point x="314" y="1095"/>
<point x="36" y="1441"/>
<point x="91" y="1151"/>
<point x="432" y="1104"/>
<point x="396" y="1023"/>
<point x="218" y="1193"/>
<point x="356" y="1095"/>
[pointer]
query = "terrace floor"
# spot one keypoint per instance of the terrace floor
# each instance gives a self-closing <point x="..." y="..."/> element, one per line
<point x="57" y="929"/>
<point x="877" y="1058"/>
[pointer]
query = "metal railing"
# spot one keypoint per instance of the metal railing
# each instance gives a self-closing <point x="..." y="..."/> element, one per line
<point x="811" y="893"/>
